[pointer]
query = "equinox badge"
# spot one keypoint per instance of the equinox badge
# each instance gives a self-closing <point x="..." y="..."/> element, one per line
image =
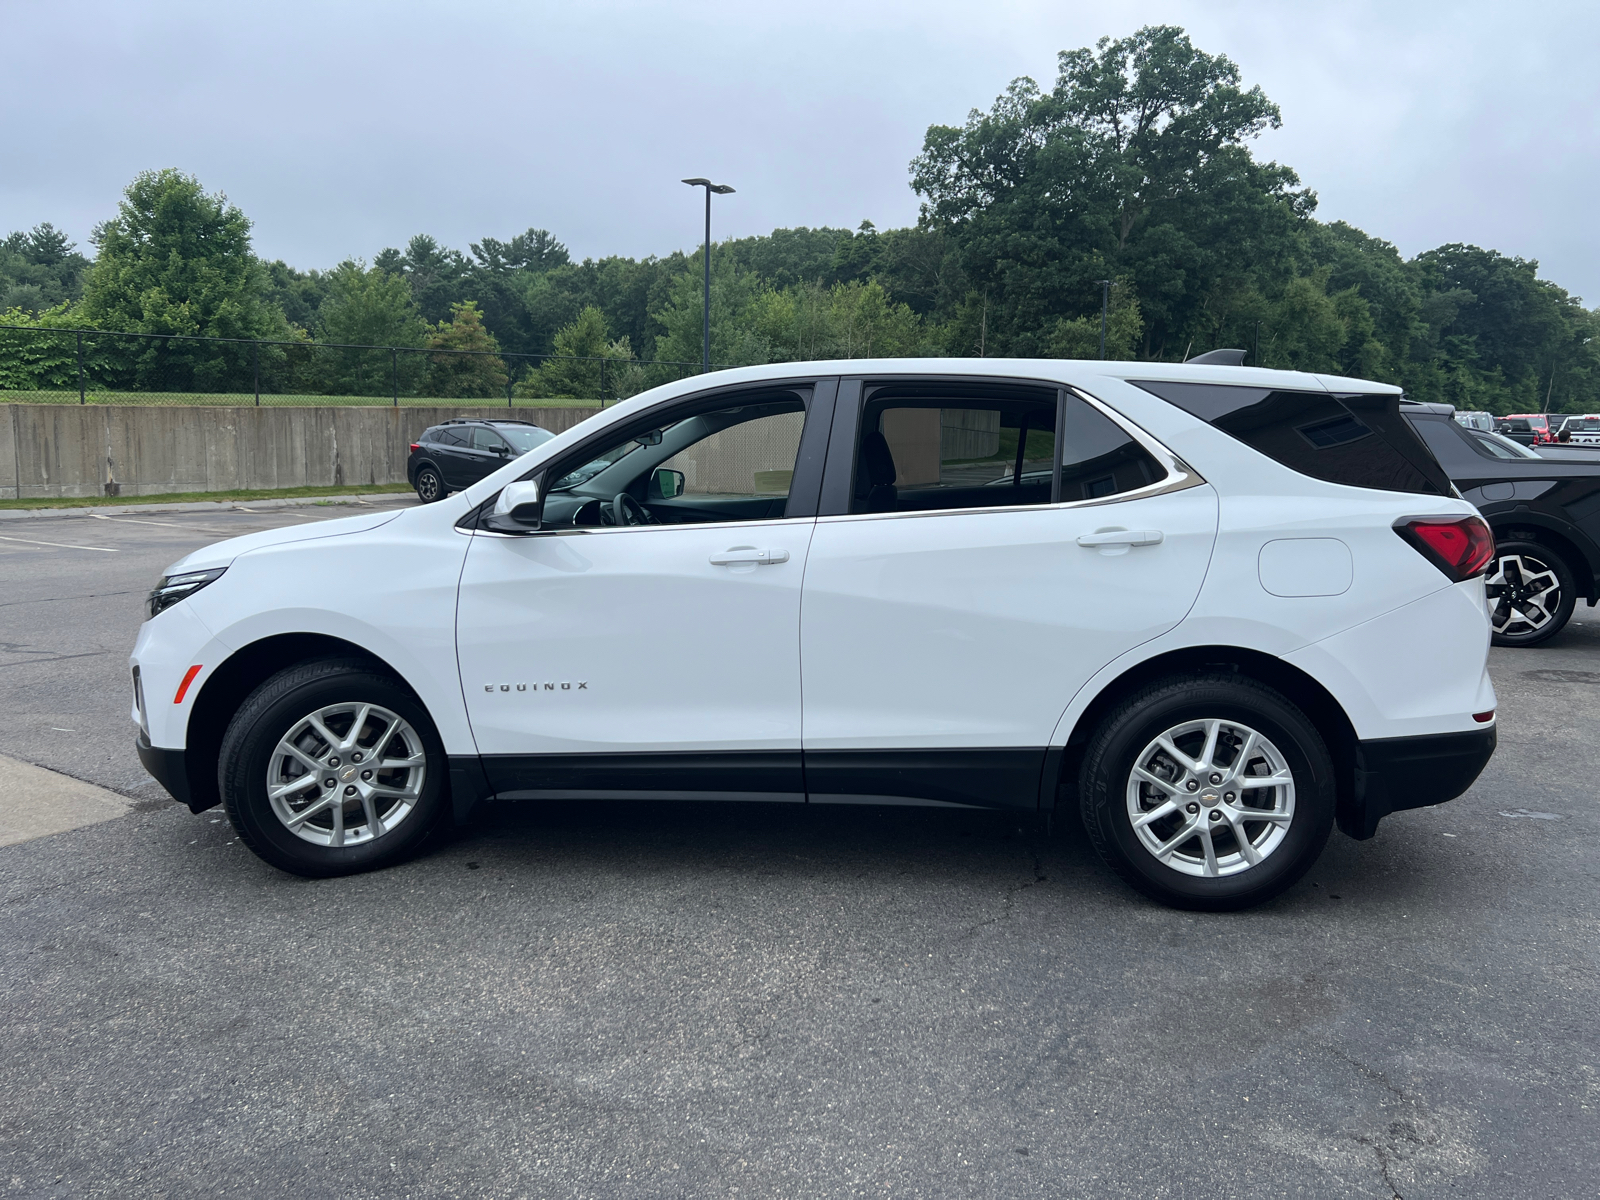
<point x="580" y="686"/>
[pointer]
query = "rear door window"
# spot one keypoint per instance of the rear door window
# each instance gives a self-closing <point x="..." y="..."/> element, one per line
<point x="1350" y="438"/>
<point x="925" y="448"/>
<point x="942" y="446"/>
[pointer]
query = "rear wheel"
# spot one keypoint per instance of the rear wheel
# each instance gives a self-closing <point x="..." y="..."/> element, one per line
<point x="429" y="485"/>
<point x="331" y="767"/>
<point x="1530" y="591"/>
<point x="1213" y="792"/>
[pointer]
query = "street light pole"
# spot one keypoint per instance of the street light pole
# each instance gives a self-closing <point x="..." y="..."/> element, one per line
<point x="1105" y="306"/>
<point x="720" y="189"/>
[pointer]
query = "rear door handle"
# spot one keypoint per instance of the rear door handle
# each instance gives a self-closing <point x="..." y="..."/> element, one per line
<point x="1122" y="537"/>
<point x="740" y="555"/>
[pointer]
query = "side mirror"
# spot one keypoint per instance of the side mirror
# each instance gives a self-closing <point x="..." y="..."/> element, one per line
<point x="665" y="483"/>
<point x="518" y="510"/>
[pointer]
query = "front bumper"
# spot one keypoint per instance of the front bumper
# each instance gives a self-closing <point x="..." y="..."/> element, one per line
<point x="1393" y="774"/>
<point x="168" y="768"/>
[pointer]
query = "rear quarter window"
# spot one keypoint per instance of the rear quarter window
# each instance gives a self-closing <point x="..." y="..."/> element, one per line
<point x="1348" y="438"/>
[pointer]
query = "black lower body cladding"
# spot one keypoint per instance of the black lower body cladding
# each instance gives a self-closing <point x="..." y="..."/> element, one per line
<point x="1394" y="774"/>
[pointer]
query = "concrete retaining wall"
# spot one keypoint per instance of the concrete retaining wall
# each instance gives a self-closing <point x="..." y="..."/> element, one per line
<point x="54" y="450"/>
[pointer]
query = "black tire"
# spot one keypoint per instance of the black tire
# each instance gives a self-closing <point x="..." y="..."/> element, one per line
<point x="269" y="714"/>
<point x="1522" y="565"/>
<point x="429" y="484"/>
<point x="1125" y="735"/>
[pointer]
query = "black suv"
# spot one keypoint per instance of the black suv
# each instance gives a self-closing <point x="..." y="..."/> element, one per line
<point x="1544" y="509"/>
<point x="457" y="454"/>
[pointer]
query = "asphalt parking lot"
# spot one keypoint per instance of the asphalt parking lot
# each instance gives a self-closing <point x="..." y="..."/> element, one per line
<point x="725" y="1000"/>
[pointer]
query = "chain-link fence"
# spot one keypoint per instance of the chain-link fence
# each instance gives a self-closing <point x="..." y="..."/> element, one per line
<point x="91" y="366"/>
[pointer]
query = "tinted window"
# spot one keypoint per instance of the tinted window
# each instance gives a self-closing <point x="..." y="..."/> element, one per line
<point x="1098" y="459"/>
<point x="961" y="449"/>
<point x="1347" y="438"/>
<point x="487" y="439"/>
<point x="1445" y="438"/>
<point x="445" y="435"/>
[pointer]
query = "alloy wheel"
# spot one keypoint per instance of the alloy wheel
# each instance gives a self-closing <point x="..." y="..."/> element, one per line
<point x="1524" y="595"/>
<point x="346" y="774"/>
<point x="1210" y="798"/>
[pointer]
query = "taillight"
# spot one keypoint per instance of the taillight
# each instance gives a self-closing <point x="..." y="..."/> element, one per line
<point x="1461" y="547"/>
<point x="415" y="446"/>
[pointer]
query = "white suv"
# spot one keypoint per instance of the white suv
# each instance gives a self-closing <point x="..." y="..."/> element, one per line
<point x="1218" y="609"/>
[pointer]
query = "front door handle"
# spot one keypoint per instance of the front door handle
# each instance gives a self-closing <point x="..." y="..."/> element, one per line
<point x="741" y="555"/>
<point x="1122" y="537"/>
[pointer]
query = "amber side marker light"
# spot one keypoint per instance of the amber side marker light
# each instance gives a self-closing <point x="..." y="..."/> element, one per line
<point x="188" y="678"/>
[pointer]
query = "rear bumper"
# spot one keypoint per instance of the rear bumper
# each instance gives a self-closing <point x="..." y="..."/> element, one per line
<point x="166" y="767"/>
<point x="1393" y="774"/>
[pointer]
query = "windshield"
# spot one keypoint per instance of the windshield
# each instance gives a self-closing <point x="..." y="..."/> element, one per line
<point x="523" y="437"/>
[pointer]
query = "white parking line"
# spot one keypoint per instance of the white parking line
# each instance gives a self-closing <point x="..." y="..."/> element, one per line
<point x="59" y="545"/>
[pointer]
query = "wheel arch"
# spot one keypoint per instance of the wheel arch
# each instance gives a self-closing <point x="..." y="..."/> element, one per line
<point x="235" y="678"/>
<point x="1311" y="697"/>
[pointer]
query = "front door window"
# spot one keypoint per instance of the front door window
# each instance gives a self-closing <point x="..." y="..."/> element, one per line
<point x="731" y="463"/>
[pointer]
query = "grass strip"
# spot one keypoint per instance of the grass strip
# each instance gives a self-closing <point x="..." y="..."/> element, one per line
<point x="295" y="493"/>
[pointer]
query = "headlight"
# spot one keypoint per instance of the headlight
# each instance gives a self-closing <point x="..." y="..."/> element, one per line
<point x="173" y="588"/>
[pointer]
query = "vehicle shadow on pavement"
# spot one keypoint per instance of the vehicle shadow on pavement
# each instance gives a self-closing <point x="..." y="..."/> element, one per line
<point x="882" y="848"/>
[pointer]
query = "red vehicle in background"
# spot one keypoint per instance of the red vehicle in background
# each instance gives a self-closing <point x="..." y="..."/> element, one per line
<point x="1531" y="429"/>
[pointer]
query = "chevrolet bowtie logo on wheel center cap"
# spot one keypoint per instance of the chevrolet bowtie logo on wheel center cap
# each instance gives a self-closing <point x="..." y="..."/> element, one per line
<point x="1209" y="798"/>
<point x="349" y="774"/>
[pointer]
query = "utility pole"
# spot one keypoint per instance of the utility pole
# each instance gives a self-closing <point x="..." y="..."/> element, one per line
<point x="720" y="189"/>
<point x="1105" y="309"/>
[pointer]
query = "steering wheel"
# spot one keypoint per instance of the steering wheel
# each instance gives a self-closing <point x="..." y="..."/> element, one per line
<point x="625" y="510"/>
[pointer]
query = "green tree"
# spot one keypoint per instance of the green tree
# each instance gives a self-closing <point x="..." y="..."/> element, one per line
<point x="365" y="308"/>
<point x="591" y="364"/>
<point x="177" y="260"/>
<point x="1079" y="337"/>
<point x="479" y="374"/>
<point x="736" y="341"/>
<point x="1134" y="165"/>
<point x="39" y="270"/>
<point x="40" y="362"/>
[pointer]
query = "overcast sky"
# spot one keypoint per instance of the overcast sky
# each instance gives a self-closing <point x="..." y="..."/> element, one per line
<point x="342" y="128"/>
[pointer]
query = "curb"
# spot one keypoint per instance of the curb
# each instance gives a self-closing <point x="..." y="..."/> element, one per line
<point x="35" y="514"/>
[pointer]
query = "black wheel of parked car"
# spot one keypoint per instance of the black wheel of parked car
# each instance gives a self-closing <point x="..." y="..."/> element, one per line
<point x="1530" y="591"/>
<point x="331" y="767"/>
<point x="1211" y="792"/>
<point x="430" y="485"/>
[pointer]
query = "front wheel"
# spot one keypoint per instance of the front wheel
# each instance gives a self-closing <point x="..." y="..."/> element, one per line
<point x="1530" y="591"/>
<point x="1213" y="792"/>
<point x="330" y="768"/>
